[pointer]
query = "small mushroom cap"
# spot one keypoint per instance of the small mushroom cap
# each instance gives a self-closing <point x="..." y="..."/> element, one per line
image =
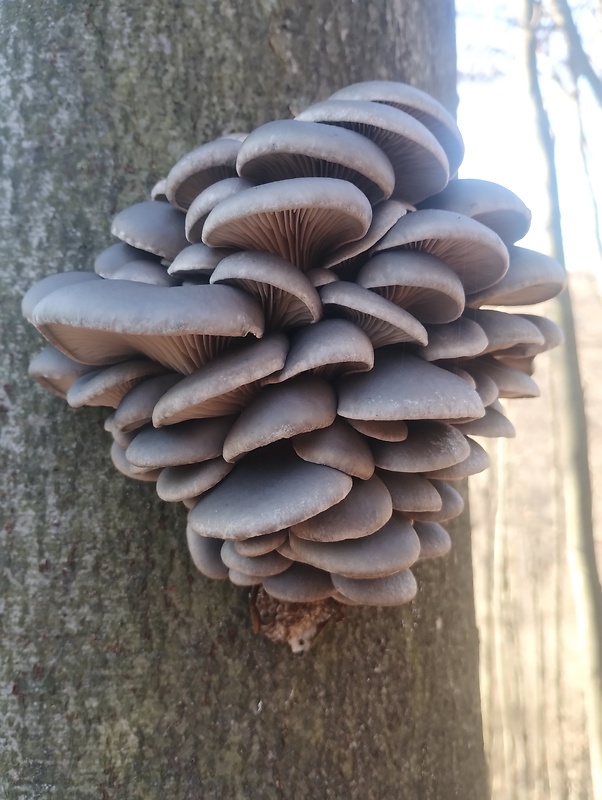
<point x="473" y="251"/>
<point x="102" y="322"/>
<point x="531" y="278"/>
<point x="294" y="149"/>
<point x="267" y="491"/>
<point x="365" y="509"/>
<point x="50" y="284"/>
<point x="299" y="584"/>
<point x="461" y="338"/>
<point x="505" y="331"/>
<point x="196" y="259"/>
<point x="205" y="202"/>
<point x="157" y="193"/>
<point x="485" y="386"/>
<point x="136" y="408"/>
<point x="55" y="371"/>
<point x="123" y="439"/>
<point x="200" y="168"/>
<point x="186" y="443"/>
<point x="420" y="105"/>
<point x="382" y="321"/>
<point x="489" y="203"/>
<point x="108" y="386"/>
<point x="240" y="579"/>
<point x="392" y="548"/>
<point x="452" y="504"/>
<point x="144" y="271"/>
<point x="552" y="337"/>
<point x="511" y="382"/>
<point x="191" y="480"/>
<point x="402" y="386"/>
<point x="392" y="590"/>
<point x="320" y="276"/>
<point x="394" y="430"/>
<point x="494" y="424"/>
<point x="338" y="446"/>
<point x="429" y="446"/>
<point x="153" y="227"/>
<point x="206" y="555"/>
<point x="224" y="385"/>
<point x="419" y="282"/>
<point x="303" y="404"/>
<point x="410" y="492"/>
<point x="300" y="219"/>
<point x="260" y="545"/>
<point x="117" y="255"/>
<point x="286" y="295"/>
<point x="329" y="347"/>
<point x="434" y="539"/>
<point x="419" y="162"/>
<point x="121" y="463"/>
<point x="476" y="461"/>
<point x="256" y="566"/>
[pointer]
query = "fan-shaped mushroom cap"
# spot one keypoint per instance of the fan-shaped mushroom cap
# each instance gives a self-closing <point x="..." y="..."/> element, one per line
<point x="320" y="277"/>
<point x="505" y="331"/>
<point x="364" y="510"/>
<point x="240" y="579"/>
<point x="473" y="251"/>
<point x="206" y="555"/>
<point x="551" y="332"/>
<point x="402" y="386"/>
<point x="255" y="566"/>
<point x="452" y="504"/>
<point x="200" y="168"/>
<point x="118" y="255"/>
<point x="102" y="322"/>
<point x="462" y="338"/>
<point x="191" y="480"/>
<point x="153" y="227"/>
<point x="144" y="271"/>
<point x="293" y="149"/>
<point x="50" y="284"/>
<point x="55" y="371"/>
<point x="382" y="321"/>
<point x="387" y="430"/>
<point x="495" y="424"/>
<point x="511" y="382"/>
<point x="489" y="203"/>
<point x="301" y="219"/>
<point x="267" y="491"/>
<point x="419" y="282"/>
<point x="285" y="294"/>
<point x="282" y="411"/>
<point x="476" y="461"/>
<point x="136" y="408"/>
<point x="205" y="202"/>
<point x="196" y="259"/>
<point x="531" y="278"/>
<point x="485" y="386"/>
<point x="434" y="539"/>
<point x="224" y="385"/>
<point x="419" y="162"/>
<point x="186" y="443"/>
<point x="392" y="590"/>
<point x="121" y="463"/>
<point x="429" y="446"/>
<point x="108" y="386"/>
<point x="157" y="193"/>
<point x="337" y="446"/>
<point x="419" y="105"/>
<point x="390" y="549"/>
<point x="123" y="439"/>
<point x="260" y="545"/>
<point x="329" y="347"/>
<point x="410" y="492"/>
<point x="299" y="584"/>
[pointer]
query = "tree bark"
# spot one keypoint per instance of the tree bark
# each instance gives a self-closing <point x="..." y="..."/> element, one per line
<point x="124" y="673"/>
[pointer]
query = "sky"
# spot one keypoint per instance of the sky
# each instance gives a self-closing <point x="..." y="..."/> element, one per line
<point x="497" y="122"/>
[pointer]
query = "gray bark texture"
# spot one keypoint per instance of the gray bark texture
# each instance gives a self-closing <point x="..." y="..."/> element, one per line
<point x="124" y="673"/>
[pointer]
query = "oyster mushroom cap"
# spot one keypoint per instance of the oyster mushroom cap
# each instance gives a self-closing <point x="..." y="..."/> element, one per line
<point x="50" y="284"/>
<point x="108" y="386"/>
<point x="260" y="566"/>
<point x="434" y="539"/>
<point x="429" y="446"/>
<point x="205" y="202"/>
<point x="196" y="259"/>
<point x="156" y="228"/>
<point x="117" y="255"/>
<point x="338" y="446"/>
<point x="461" y="338"/>
<point x="392" y="590"/>
<point x="198" y="169"/>
<point x="176" y="484"/>
<point x="206" y="555"/>
<point x="188" y="442"/>
<point x="55" y="371"/>
<point x="300" y="583"/>
<point x="477" y="460"/>
<point x="410" y="492"/>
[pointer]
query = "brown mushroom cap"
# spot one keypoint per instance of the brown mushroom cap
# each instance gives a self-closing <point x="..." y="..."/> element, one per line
<point x="550" y="331"/>
<point x="494" y="424"/>
<point x="476" y="461"/>
<point x="205" y="202"/>
<point x="200" y="168"/>
<point x="299" y="584"/>
<point x="473" y="251"/>
<point x="206" y="555"/>
<point x="392" y="590"/>
<point x="429" y="446"/>
<point x="55" y="371"/>
<point x="511" y="382"/>
<point x="419" y="162"/>
<point x="285" y="294"/>
<point x="382" y="321"/>
<point x="410" y="492"/>
<point x="434" y="539"/>
<point x="338" y="446"/>
<point x="390" y="549"/>
<point x="505" y="331"/>
<point x="419" y="282"/>
<point x="186" y="443"/>
<point x="267" y="491"/>
<point x="365" y="509"/>
<point x="108" y="386"/>
<point x="300" y="219"/>
<point x="240" y="579"/>
<point x="153" y="227"/>
<point x="175" y="484"/>
<point x="224" y="385"/>
<point x="452" y="504"/>
<point x="262" y="566"/>
<point x="387" y="430"/>
<point x="294" y="149"/>
<point x="461" y="338"/>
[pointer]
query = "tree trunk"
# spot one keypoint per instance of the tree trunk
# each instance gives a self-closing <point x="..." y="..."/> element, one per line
<point x="125" y="674"/>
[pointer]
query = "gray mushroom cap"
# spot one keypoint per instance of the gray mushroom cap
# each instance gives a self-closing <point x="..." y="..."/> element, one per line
<point x="224" y="385"/>
<point x="294" y="149"/>
<point x="144" y="271"/>
<point x="387" y="430"/>
<point x="552" y="337"/>
<point x="300" y="219"/>
<point x="260" y="545"/>
<point x="157" y="193"/>
<point x="429" y="446"/>
<point x="136" y="408"/>
<point x="505" y="331"/>
<point x="196" y="259"/>
<point x="267" y="491"/>
<point x="50" y="284"/>
<point x="402" y="386"/>
<point x="473" y="251"/>
<point x="121" y="463"/>
<point x="188" y="442"/>
<point x="494" y="424"/>
<point x="410" y="492"/>
<point x="338" y="446"/>
<point x="206" y="555"/>
<point x="461" y="338"/>
<point x="452" y="504"/>
<point x="299" y="584"/>
<point x="320" y="276"/>
<point x="176" y="484"/>
<point x="205" y="202"/>
<point x="476" y="461"/>
<point x="153" y="227"/>
<point x="392" y="590"/>
<point x="434" y="539"/>
<point x="198" y="169"/>
<point x="511" y="382"/>
<point x="116" y="256"/>
<point x="108" y="386"/>
<point x="261" y="566"/>
<point x="419" y="162"/>
<point x="390" y="549"/>
<point x="55" y="371"/>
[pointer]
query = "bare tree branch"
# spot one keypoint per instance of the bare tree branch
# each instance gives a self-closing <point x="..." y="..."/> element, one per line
<point x="579" y="62"/>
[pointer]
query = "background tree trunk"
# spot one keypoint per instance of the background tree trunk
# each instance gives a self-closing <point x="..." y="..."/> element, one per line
<point x="125" y="674"/>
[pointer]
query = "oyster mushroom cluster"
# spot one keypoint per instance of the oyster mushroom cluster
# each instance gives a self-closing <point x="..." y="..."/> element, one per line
<point x="296" y="337"/>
